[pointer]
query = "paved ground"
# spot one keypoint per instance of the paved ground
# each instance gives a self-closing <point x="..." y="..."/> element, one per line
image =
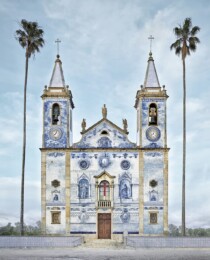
<point x="82" y="253"/>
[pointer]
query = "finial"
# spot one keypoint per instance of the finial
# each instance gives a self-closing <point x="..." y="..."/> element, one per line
<point x="151" y="38"/>
<point x="58" y="41"/>
<point x="45" y="88"/>
<point x="104" y="111"/>
<point x="125" y="125"/>
<point x="83" y="125"/>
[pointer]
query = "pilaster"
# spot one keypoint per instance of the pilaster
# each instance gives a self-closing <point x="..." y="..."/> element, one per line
<point x="68" y="194"/>
<point x="165" y="193"/>
<point x="141" y="193"/>
<point x="43" y="192"/>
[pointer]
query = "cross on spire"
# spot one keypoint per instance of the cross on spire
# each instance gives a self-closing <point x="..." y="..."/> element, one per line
<point x="58" y="41"/>
<point x="151" y="38"/>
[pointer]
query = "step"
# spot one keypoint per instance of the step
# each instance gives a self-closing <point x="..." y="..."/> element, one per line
<point x="102" y="243"/>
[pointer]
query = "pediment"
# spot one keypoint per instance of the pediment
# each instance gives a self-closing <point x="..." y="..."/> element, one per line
<point x="104" y="175"/>
<point x="104" y="134"/>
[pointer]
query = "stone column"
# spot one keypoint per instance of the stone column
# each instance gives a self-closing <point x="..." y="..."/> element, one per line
<point x="97" y="197"/>
<point x="112" y="193"/>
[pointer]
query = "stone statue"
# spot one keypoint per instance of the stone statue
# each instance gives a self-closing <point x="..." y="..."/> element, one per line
<point x="104" y="111"/>
<point x="83" y="125"/>
<point x="125" y="125"/>
<point x="124" y="192"/>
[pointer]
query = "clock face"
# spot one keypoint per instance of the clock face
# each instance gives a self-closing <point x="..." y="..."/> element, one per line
<point x="153" y="134"/>
<point x="55" y="133"/>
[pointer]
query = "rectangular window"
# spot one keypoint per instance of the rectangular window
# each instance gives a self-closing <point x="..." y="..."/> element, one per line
<point x="56" y="217"/>
<point x="153" y="218"/>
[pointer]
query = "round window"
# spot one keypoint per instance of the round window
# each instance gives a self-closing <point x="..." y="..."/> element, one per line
<point x="125" y="164"/>
<point x="84" y="164"/>
<point x="153" y="183"/>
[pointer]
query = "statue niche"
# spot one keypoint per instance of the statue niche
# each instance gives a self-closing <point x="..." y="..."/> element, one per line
<point x="83" y="189"/>
<point x="153" y="195"/>
<point x="125" y="189"/>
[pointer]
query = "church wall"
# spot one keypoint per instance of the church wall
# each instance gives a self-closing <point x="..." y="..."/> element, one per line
<point x="161" y="121"/>
<point x="153" y="196"/>
<point x="62" y="124"/>
<point x="55" y="195"/>
<point x="125" y="212"/>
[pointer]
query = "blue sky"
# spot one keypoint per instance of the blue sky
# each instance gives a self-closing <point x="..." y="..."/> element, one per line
<point x="104" y="51"/>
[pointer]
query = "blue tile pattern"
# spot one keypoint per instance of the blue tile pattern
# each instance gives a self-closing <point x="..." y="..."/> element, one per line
<point x="49" y="142"/>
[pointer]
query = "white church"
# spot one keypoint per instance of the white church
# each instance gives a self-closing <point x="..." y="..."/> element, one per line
<point x="104" y="185"/>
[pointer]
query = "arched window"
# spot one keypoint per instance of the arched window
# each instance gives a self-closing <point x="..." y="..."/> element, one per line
<point x="55" y="114"/>
<point x="83" y="189"/>
<point x="153" y="114"/>
<point x="104" y="132"/>
<point x="104" y="190"/>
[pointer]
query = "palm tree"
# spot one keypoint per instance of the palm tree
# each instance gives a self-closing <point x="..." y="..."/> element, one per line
<point x="30" y="37"/>
<point x="185" y="43"/>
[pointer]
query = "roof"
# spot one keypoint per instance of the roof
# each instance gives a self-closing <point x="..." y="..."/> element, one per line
<point x="151" y="78"/>
<point x="105" y="120"/>
<point x="57" y="79"/>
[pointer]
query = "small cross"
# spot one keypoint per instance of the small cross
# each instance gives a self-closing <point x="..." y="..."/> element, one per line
<point x="105" y="188"/>
<point x="58" y="41"/>
<point x="151" y="38"/>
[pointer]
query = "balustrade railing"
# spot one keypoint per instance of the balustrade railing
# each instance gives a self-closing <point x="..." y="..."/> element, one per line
<point x="104" y="204"/>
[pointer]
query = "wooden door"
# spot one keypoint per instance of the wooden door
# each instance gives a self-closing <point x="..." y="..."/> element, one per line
<point x="104" y="225"/>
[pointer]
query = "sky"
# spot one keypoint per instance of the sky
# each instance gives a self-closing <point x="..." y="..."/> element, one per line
<point x="104" y="51"/>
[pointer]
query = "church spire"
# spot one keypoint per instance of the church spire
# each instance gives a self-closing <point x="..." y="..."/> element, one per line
<point x="57" y="79"/>
<point x="151" y="78"/>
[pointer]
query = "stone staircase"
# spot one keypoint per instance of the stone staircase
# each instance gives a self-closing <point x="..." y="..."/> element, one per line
<point x="102" y="243"/>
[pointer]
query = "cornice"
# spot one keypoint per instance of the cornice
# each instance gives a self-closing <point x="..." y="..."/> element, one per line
<point x="114" y="149"/>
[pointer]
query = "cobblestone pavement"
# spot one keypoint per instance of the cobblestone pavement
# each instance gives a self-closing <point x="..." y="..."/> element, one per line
<point x="105" y="254"/>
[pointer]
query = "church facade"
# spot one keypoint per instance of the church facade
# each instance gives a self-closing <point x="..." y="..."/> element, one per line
<point x="104" y="186"/>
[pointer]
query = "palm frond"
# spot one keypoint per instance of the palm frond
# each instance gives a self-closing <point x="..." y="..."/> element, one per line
<point x="187" y="25"/>
<point x="178" y="50"/>
<point x="186" y="39"/>
<point x="178" y="31"/>
<point x="30" y="36"/>
<point x="195" y="30"/>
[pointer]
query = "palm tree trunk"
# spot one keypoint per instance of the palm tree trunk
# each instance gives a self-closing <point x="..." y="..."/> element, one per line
<point x="24" y="151"/>
<point x="184" y="148"/>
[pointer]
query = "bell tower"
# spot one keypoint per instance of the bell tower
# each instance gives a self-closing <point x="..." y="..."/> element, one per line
<point x="57" y="111"/>
<point x="152" y="142"/>
<point x="55" y="155"/>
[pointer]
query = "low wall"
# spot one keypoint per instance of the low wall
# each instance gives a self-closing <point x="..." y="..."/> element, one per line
<point x="167" y="242"/>
<point x="17" y="241"/>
